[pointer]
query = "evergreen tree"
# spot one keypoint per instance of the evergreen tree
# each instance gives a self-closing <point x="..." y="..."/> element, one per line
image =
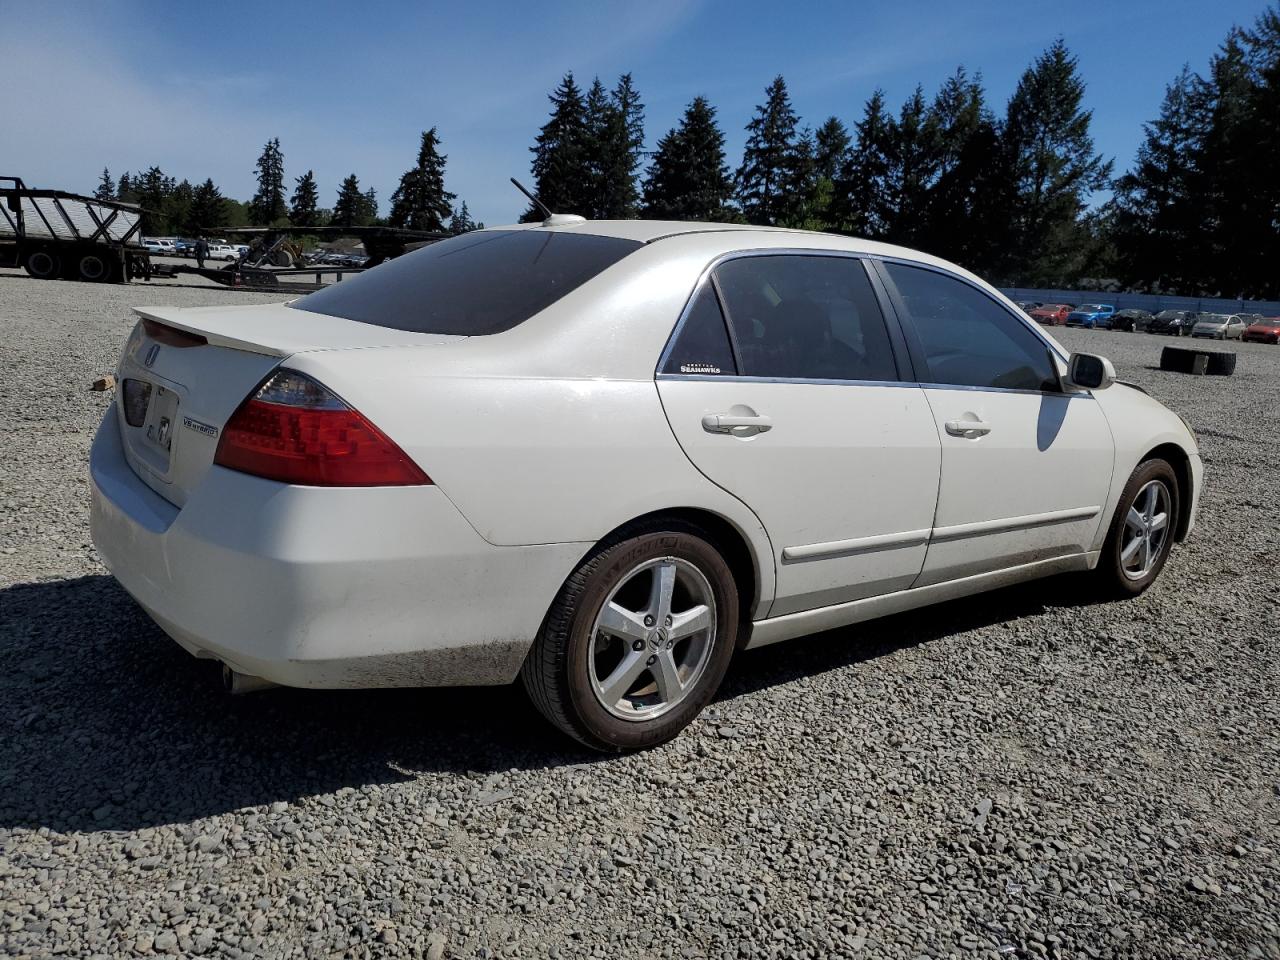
<point x="177" y="206"/>
<point x="804" y="195"/>
<point x="562" y="170"/>
<point x="831" y="148"/>
<point x="861" y="206"/>
<point x="349" y="210"/>
<point x="615" y="124"/>
<point x="1159" y="208"/>
<point x="125" y="190"/>
<point x="421" y="202"/>
<point x="768" y="157"/>
<point x="306" y="199"/>
<point x="368" y="207"/>
<point x="268" y="204"/>
<point x="207" y="213"/>
<point x="961" y="220"/>
<point x="1234" y="231"/>
<point x="912" y="165"/>
<point x="1258" y="168"/>
<point x="688" y="178"/>
<point x="106" y="187"/>
<point x="152" y="190"/>
<point x="462" y="222"/>
<point x="1054" y="169"/>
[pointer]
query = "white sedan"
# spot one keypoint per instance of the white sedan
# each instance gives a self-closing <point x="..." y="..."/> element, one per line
<point x="604" y="456"/>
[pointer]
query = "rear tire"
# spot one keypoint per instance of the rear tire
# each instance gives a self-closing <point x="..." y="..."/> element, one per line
<point x="1142" y="531"/>
<point x="95" y="268"/>
<point x="43" y="265"/>
<point x="615" y="669"/>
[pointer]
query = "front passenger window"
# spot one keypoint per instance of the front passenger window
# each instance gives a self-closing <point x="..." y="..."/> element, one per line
<point x="968" y="338"/>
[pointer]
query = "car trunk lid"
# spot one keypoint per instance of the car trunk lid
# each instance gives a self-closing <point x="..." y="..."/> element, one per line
<point x="195" y="366"/>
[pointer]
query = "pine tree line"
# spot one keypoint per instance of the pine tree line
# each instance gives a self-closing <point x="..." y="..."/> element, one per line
<point x="1199" y="213"/>
<point x="1012" y="194"/>
<point x="420" y="202"/>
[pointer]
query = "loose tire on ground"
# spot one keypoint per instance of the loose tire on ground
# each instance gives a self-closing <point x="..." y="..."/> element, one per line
<point x="1219" y="363"/>
<point x="43" y="265"/>
<point x="1122" y="574"/>
<point x="562" y="673"/>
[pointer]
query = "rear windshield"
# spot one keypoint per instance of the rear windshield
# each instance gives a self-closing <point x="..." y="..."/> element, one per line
<point x="482" y="282"/>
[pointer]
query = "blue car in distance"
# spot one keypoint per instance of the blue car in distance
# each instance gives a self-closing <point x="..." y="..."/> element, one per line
<point x="1090" y="315"/>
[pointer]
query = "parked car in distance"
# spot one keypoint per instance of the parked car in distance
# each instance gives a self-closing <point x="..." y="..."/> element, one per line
<point x="1052" y="314"/>
<point x="1090" y="315"/>
<point x="628" y="473"/>
<point x="1219" y="326"/>
<point x="1177" y="323"/>
<point x="222" y="251"/>
<point x="159" y="245"/>
<point x="1130" y="320"/>
<point x="1266" y="330"/>
<point x="1026" y="306"/>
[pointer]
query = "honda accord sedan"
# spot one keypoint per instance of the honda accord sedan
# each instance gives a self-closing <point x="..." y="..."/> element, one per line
<point x="603" y="457"/>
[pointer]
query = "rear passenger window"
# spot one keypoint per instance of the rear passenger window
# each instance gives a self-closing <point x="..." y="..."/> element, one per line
<point x="802" y="317"/>
<point x="702" y="344"/>
<point x="968" y="338"/>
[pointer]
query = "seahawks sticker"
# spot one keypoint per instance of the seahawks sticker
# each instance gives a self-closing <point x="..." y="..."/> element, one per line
<point x="699" y="368"/>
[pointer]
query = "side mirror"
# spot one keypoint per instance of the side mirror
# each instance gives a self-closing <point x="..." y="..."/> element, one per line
<point x="1088" y="371"/>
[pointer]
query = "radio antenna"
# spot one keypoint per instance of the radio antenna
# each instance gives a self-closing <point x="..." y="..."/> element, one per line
<point x="546" y="211"/>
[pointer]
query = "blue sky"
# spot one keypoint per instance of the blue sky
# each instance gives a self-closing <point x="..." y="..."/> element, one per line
<point x="198" y="88"/>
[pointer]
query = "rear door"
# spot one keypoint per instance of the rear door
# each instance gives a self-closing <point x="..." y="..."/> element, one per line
<point x="1026" y="468"/>
<point x="794" y="399"/>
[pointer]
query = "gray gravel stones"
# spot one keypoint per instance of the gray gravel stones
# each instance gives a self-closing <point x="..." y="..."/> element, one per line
<point x="1026" y="774"/>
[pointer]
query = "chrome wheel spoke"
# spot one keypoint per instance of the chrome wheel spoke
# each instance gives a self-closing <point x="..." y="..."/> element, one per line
<point x="1131" y="551"/>
<point x="615" y="686"/>
<point x="620" y="622"/>
<point x="667" y="676"/>
<point x="1158" y="522"/>
<point x="664" y="583"/>
<point x="691" y="621"/>
<point x="1135" y="521"/>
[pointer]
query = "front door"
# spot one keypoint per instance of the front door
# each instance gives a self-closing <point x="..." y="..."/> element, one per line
<point x="797" y="408"/>
<point x="1026" y="468"/>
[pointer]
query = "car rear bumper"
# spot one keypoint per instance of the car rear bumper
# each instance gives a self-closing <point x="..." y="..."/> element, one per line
<point x="323" y="587"/>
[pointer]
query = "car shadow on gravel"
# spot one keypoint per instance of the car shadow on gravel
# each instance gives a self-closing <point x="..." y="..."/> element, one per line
<point x="109" y="725"/>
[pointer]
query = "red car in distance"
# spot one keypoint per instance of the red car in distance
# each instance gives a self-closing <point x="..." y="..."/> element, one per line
<point x="1266" y="330"/>
<point x="1052" y="314"/>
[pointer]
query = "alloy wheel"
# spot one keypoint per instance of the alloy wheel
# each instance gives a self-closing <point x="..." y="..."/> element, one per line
<point x="652" y="639"/>
<point x="1146" y="528"/>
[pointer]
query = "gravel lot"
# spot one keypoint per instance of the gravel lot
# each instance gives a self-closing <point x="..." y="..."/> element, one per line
<point x="1024" y="774"/>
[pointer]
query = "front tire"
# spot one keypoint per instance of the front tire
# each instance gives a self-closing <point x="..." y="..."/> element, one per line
<point x="638" y="640"/>
<point x="1142" y="531"/>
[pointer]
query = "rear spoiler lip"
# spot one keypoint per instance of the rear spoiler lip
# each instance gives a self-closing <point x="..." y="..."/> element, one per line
<point x="291" y="333"/>
<point x="172" y="317"/>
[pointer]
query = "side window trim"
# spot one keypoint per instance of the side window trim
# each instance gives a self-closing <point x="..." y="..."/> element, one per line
<point x="914" y="345"/>
<point x="903" y="360"/>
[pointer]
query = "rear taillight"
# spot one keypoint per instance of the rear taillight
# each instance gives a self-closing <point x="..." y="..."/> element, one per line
<point x="294" y="430"/>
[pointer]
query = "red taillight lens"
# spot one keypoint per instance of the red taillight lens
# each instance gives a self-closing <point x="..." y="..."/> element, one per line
<point x="294" y="430"/>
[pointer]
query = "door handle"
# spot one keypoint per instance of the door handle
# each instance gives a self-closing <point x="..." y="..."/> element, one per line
<point x="728" y="423"/>
<point x="969" y="429"/>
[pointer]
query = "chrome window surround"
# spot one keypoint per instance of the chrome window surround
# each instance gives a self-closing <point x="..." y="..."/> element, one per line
<point x="892" y="317"/>
<point x="897" y="343"/>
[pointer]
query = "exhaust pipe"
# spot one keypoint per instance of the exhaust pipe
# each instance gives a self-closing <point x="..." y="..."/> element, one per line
<point x="236" y="683"/>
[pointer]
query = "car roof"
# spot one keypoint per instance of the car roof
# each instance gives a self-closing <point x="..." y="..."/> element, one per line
<point x="726" y="236"/>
